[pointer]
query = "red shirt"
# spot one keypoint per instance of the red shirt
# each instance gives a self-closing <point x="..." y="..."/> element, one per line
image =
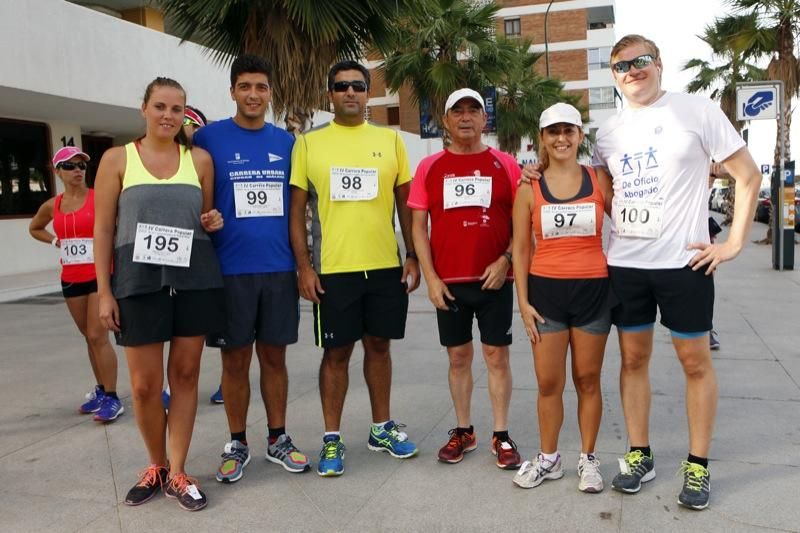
<point x="465" y="239"/>
<point x="78" y="224"/>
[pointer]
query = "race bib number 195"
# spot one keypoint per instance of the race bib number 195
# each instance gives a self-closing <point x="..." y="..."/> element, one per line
<point x="354" y="184"/>
<point x="162" y="245"/>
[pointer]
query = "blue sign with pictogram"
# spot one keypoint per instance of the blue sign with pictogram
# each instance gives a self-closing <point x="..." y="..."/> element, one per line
<point x="757" y="101"/>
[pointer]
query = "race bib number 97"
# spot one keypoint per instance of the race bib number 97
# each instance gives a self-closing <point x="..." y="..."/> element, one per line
<point x="258" y="199"/>
<point x="162" y="245"/>
<point x="77" y="251"/>
<point x="354" y="184"/>
<point x="468" y="191"/>
<point x="641" y="218"/>
<point x="568" y="220"/>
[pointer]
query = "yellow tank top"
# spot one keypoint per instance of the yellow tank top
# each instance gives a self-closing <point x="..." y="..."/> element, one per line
<point x="136" y="174"/>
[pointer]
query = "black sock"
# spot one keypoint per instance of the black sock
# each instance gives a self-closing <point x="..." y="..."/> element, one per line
<point x="241" y="437"/>
<point x="461" y="431"/>
<point x="102" y="388"/>
<point x="274" y="433"/>
<point x="702" y="461"/>
<point x="502" y="436"/>
<point x="644" y="449"/>
<point x="113" y="394"/>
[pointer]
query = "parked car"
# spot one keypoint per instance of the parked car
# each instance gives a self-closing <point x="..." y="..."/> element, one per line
<point x="763" y="206"/>
<point x="718" y="199"/>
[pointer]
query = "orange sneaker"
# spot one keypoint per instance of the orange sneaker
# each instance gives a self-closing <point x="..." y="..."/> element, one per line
<point x="457" y="446"/>
<point x="507" y="455"/>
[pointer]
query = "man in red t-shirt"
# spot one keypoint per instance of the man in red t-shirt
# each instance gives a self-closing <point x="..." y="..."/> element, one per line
<point x="467" y="190"/>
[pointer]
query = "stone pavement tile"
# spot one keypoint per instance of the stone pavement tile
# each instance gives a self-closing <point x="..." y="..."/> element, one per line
<point x="792" y="366"/>
<point x="22" y="511"/>
<point x="762" y="380"/>
<point x="22" y="425"/>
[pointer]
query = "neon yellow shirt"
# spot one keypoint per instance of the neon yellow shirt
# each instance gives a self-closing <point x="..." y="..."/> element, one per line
<point x="350" y="174"/>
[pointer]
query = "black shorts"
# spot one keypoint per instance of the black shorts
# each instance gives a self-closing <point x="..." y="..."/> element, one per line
<point x="684" y="297"/>
<point x="579" y="303"/>
<point x="72" y="290"/>
<point x="159" y="316"/>
<point x="358" y="303"/>
<point x="262" y="307"/>
<point x="494" y="310"/>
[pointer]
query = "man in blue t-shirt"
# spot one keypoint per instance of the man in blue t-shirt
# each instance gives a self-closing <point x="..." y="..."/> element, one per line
<point x="251" y="190"/>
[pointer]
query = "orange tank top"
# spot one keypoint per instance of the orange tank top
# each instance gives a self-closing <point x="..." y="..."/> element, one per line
<point x="569" y="233"/>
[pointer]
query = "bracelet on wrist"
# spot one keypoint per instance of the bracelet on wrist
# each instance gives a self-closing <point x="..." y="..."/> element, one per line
<point x="412" y="255"/>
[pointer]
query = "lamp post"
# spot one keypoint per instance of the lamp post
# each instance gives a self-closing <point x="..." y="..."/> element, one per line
<point x="546" y="44"/>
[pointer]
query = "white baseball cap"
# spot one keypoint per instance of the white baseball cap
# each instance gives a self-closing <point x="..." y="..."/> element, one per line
<point x="460" y="94"/>
<point x="558" y="113"/>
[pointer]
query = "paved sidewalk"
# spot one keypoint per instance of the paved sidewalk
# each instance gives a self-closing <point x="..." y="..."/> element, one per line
<point x="59" y="471"/>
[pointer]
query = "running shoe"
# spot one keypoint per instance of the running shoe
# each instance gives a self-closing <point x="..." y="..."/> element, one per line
<point x="235" y="457"/>
<point x="506" y="452"/>
<point x="634" y="469"/>
<point x="390" y="439"/>
<point x="284" y="453"/>
<point x="713" y="340"/>
<point x="151" y="479"/>
<point x="110" y="409"/>
<point x="331" y="457"/>
<point x="186" y="490"/>
<point x="696" y="486"/>
<point x="165" y="400"/>
<point x="457" y="446"/>
<point x="93" y="401"/>
<point x="589" y="473"/>
<point x="217" y="396"/>
<point x="533" y="473"/>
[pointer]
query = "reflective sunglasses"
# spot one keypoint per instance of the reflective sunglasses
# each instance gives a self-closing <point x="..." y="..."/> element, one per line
<point x="189" y="122"/>
<point x="342" y="86"/>
<point x="621" y="67"/>
<point x="72" y="166"/>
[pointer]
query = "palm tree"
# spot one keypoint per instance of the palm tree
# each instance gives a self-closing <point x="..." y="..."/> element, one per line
<point x="300" y="38"/>
<point x="444" y="45"/>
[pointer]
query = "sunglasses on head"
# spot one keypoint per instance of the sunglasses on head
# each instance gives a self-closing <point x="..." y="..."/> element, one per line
<point x="189" y="122"/>
<point x="72" y="166"/>
<point x="640" y="62"/>
<point x="342" y="86"/>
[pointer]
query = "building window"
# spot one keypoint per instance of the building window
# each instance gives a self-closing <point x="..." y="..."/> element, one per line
<point x="601" y="98"/>
<point x="26" y="180"/>
<point x="598" y="58"/>
<point x="393" y="116"/>
<point x="513" y="27"/>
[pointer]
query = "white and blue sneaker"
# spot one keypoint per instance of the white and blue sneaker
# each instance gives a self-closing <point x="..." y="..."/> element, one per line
<point x="331" y="457"/>
<point x="390" y="439"/>
<point x="109" y="410"/>
<point x="93" y="401"/>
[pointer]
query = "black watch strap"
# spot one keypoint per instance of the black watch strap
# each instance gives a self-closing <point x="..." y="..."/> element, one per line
<point x="507" y="255"/>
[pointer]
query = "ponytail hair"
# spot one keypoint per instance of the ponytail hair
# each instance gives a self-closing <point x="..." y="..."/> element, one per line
<point x="181" y="137"/>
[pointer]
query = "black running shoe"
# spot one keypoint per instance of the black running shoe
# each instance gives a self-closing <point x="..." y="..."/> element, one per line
<point x="696" y="486"/>
<point x="186" y="490"/>
<point x="151" y="479"/>
<point x="636" y="468"/>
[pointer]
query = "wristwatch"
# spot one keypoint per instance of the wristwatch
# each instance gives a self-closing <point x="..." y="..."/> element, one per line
<point x="507" y="255"/>
<point x="412" y="255"/>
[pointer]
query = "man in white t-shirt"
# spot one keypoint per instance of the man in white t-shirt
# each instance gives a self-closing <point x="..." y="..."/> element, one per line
<point x="658" y="151"/>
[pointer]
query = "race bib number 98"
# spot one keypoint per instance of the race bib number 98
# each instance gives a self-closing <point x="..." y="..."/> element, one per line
<point x="258" y="199"/>
<point x="568" y="220"/>
<point x="641" y="218"/>
<point x="468" y="191"/>
<point x="162" y="245"/>
<point x="354" y="184"/>
<point x="77" y="251"/>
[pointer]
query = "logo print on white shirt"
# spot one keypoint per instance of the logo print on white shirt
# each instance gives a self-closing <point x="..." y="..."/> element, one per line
<point x="273" y="157"/>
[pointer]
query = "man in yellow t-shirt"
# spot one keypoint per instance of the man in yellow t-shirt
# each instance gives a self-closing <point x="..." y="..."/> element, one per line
<point x="353" y="175"/>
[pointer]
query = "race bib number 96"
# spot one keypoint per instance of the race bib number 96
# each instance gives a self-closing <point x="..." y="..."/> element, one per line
<point x="641" y="218"/>
<point x="568" y="220"/>
<point x="162" y="245"/>
<point x="77" y="251"/>
<point x="354" y="184"/>
<point x="468" y="191"/>
<point x="258" y="199"/>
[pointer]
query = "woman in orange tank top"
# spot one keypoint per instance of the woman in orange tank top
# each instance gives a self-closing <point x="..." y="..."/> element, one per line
<point x="562" y="291"/>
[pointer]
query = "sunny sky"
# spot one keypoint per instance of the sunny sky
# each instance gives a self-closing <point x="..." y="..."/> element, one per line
<point x="673" y="25"/>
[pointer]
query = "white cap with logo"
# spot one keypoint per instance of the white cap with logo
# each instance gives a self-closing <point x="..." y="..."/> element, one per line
<point x="560" y="113"/>
<point x="460" y="94"/>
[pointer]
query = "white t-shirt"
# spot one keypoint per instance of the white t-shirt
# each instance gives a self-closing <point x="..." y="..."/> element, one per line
<point x="659" y="158"/>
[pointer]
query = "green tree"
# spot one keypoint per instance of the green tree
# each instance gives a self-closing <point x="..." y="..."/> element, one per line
<point x="300" y="38"/>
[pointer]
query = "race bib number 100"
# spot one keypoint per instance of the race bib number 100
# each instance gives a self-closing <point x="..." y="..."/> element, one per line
<point x="77" y="251"/>
<point x="258" y="199"/>
<point x="638" y="218"/>
<point x="468" y="191"/>
<point x="568" y="220"/>
<point x="354" y="184"/>
<point x="162" y="245"/>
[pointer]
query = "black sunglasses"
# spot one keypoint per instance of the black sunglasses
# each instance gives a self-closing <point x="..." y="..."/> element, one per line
<point x="342" y="86"/>
<point x="72" y="166"/>
<point x="640" y="62"/>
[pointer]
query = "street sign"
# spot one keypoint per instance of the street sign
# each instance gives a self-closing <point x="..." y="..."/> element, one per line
<point x="758" y="100"/>
<point x="765" y="169"/>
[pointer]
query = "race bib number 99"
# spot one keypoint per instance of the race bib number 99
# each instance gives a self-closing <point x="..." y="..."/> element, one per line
<point x="468" y="191"/>
<point x="258" y="199"/>
<point x="354" y="184"/>
<point x="162" y="245"/>
<point x="641" y="218"/>
<point x="568" y="220"/>
<point x="77" y="251"/>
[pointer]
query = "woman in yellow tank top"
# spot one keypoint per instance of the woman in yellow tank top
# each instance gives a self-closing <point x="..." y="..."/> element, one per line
<point x="154" y="202"/>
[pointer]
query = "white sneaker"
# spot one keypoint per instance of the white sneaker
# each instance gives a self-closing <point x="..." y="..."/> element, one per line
<point x="589" y="472"/>
<point x="533" y="473"/>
